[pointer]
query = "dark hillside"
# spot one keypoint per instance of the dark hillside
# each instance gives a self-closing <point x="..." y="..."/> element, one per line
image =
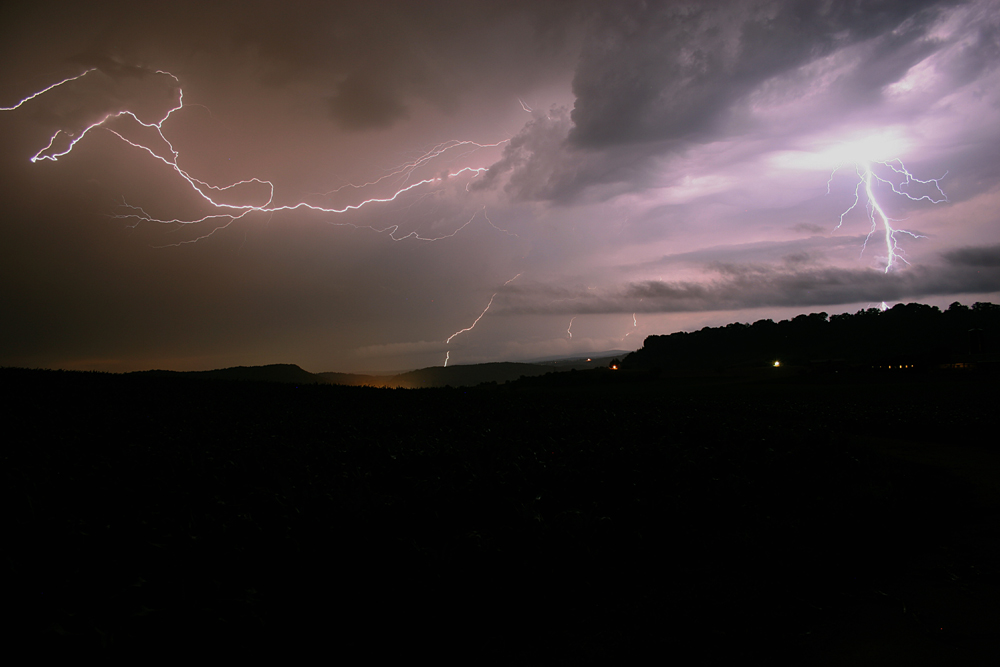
<point x="912" y="334"/>
<point x="586" y="517"/>
<point x="468" y="375"/>
<point x="270" y="373"/>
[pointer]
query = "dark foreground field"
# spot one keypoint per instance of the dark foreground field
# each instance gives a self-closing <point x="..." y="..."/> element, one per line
<point x="590" y="517"/>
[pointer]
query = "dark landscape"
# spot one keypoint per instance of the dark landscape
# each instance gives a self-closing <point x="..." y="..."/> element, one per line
<point x="560" y="332"/>
<point x="696" y="506"/>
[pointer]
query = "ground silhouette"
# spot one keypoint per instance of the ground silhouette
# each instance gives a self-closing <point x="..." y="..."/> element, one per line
<point x="792" y="516"/>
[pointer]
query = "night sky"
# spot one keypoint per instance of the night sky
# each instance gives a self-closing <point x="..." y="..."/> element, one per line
<point x="576" y="175"/>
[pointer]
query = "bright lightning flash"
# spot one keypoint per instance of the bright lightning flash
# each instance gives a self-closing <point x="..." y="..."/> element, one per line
<point x="45" y="90"/>
<point x="62" y="143"/>
<point x="635" y="323"/>
<point x="899" y="179"/>
<point x="472" y="326"/>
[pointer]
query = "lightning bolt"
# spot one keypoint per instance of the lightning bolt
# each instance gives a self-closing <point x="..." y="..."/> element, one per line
<point x="45" y="90"/>
<point x="228" y="213"/>
<point x="635" y="323"/>
<point x="401" y="177"/>
<point x="474" y="323"/>
<point x="508" y="233"/>
<point x="570" y="327"/>
<point x="898" y="180"/>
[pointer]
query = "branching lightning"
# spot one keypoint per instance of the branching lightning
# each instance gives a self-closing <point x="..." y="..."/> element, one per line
<point x="901" y="177"/>
<point x="227" y="213"/>
<point x="263" y="191"/>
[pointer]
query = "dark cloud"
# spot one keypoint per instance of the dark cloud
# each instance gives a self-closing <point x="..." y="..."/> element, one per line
<point x="985" y="256"/>
<point x="687" y="174"/>
<point x="798" y="258"/>
<point x="794" y="283"/>
<point x="539" y="163"/>
<point x="533" y="159"/>
<point x="886" y="59"/>
<point x="979" y="52"/>
<point x="798" y="250"/>
<point x="373" y="59"/>
<point x="361" y="105"/>
<point x="672" y="71"/>
<point x="379" y="58"/>
<point x="656" y="80"/>
<point x="808" y="228"/>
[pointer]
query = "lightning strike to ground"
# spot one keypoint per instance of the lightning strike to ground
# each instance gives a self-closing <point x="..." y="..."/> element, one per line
<point x="473" y="325"/>
<point x="867" y="179"/>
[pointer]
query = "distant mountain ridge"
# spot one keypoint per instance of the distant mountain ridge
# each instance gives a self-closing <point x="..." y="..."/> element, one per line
<point x="435" y="376"/>
<point x="289" y="373"/>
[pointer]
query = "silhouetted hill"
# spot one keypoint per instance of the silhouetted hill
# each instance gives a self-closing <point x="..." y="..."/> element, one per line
<point x="468" y="375"/>
<point x="356" y="379"/>
<point x="435" y="376"/>
<point x="912" y="336"/>
<point x="270" y="373"/>
<point x="579" y="361"/>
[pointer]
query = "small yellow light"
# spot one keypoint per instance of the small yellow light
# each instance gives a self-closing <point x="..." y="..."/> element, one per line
<point x="777" y="363"/>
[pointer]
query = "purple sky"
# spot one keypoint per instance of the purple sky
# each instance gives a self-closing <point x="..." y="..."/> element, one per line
<point x="640" y="167"/>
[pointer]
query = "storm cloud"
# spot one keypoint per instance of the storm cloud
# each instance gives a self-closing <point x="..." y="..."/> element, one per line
<point x="348" y="187"/>
<point x="747" y="286"/>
